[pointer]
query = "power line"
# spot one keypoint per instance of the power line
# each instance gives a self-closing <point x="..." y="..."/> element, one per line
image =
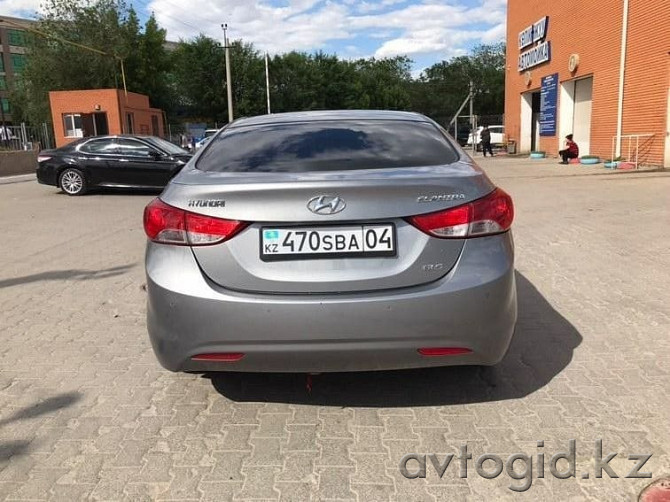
<point x="181" y="21"/>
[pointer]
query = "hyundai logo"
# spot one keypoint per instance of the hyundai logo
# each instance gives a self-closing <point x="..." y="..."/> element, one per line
<point x="326" y="204"/>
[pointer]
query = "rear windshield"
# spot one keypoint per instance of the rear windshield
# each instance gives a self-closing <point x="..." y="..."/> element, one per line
<point x="327" y="146"/>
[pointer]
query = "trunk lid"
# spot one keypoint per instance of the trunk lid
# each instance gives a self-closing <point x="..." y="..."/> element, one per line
<point x="280" y="200"/>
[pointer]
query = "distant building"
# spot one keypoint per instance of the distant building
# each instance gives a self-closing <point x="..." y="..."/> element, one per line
<point x="12" y="59"/>
<point x="594" y="69"/>
<point x="80" y="114"/>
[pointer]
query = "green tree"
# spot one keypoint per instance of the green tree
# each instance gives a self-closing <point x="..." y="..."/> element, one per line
<point x="199" y="77"/>
<point x="441" y="89"/>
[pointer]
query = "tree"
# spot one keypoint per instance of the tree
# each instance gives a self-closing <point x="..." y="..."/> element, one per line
<point x="199" y="76"/>
<point x="441" y="89"/>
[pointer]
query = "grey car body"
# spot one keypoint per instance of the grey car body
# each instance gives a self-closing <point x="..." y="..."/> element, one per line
<point x="432" y="301"/>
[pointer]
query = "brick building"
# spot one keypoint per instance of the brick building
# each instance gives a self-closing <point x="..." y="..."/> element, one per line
<point x="597" y="69"/>
<point x="78" y="114"/>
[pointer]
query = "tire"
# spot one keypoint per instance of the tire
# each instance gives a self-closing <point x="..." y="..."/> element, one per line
<point x="72" y="181"/>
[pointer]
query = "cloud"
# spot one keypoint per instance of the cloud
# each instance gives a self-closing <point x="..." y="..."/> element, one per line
<point x="385" y="28"/>
<point x="391" y="27"/>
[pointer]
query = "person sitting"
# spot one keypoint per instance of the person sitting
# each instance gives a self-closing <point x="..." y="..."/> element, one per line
<point x="571" y="150"/>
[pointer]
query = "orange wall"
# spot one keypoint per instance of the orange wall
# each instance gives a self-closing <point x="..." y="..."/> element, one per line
<point x="114" y="102"/>
<point x="592" y="29"/>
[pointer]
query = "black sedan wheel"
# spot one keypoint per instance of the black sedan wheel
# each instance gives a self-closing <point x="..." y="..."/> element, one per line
<point x="72" y="182"/>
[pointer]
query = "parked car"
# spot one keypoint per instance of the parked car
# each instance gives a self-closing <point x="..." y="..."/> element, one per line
<point x="330" y="241"/>
<point x="111" y="161"/>
<point x="203" y="141"/>
<point x="497" y="136"/>
<point x="461" y="135"/>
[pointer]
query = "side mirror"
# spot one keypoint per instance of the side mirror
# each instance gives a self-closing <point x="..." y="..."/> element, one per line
<point x="156" y="155"/>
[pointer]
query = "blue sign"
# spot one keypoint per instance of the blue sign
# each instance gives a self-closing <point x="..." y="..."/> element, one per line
<point x="548" y="100"/>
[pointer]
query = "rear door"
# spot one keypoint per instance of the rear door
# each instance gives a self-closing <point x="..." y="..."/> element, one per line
<point x="327" y="205"/>
<point x="497" y="133"/>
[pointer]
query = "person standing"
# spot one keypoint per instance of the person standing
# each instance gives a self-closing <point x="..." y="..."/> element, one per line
<point x="485" y="138"/>
<point x="571" y="150"/>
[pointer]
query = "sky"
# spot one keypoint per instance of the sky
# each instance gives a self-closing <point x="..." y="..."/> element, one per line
<point x="428" y="31"/>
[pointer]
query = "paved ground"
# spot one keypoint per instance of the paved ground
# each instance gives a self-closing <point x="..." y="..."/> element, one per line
<point x="85" y="410"/>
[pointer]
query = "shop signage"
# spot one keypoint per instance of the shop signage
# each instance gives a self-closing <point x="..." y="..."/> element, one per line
<point x="548" y="100"/>
<point x="541" y="52"/>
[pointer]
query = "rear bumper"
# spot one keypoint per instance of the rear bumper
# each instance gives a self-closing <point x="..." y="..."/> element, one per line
<point x="473" y="306"/>
<point x="46" y="175"/>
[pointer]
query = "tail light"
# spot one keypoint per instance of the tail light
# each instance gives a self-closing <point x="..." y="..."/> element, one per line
<point x="489" y="215"/>
<point x="170" y="225"/>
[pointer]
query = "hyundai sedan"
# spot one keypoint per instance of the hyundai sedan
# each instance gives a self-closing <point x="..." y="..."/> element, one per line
<point x="330" y="241"/>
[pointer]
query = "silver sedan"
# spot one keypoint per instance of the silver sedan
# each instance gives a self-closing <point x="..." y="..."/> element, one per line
<point x="330" y="241"/>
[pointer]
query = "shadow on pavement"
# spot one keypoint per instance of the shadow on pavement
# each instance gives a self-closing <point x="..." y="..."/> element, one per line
<point x="61" y="275"/>
<point x="14" y="448"/>
<point x="541" y="348"/>
<point x="43" y="407"/>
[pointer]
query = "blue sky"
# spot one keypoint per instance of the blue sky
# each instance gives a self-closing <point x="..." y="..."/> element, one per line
<point x="428" y="31"/>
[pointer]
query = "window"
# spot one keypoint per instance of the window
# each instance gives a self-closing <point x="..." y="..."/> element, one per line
<point x="5" y="105"/>
<point x="72" y="125"/>
<point x="17" y="37"/>
<point x="166" y="146"/>
<point x="327" y="146"/>
<point x="18" y="62"/>
<point x="2" y="62"/>
<point x="133" y="148"/>
<point x="3" y="83"/>
<point x="99" y="146"/>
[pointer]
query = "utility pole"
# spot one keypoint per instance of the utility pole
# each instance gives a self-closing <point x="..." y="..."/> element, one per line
<point x="229" y="83"/>
<point x="267" y="81"/>
<point x="472" y="117"/>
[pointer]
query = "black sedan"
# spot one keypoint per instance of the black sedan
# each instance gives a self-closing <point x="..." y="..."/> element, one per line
<point x="111" y="161"/>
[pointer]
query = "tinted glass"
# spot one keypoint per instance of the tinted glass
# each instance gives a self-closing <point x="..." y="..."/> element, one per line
<point x="166" y="146"/>
<point x="132" y="148"/>
<point x="99" y="146"/>
<point x="327" y="146"/>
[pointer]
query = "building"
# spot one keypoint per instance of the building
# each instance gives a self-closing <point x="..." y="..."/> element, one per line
<point x="597" y="69"/>
<point x="12" y="59"/>
<point x="79" y="114"/>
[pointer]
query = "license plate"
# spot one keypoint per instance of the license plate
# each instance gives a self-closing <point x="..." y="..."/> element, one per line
<point x="291" y="243"/>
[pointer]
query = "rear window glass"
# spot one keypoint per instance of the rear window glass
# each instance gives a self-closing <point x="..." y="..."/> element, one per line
<point x="327" y="146"/>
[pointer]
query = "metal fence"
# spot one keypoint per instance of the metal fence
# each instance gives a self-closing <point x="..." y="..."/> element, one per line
<point x="26" y="137"/>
